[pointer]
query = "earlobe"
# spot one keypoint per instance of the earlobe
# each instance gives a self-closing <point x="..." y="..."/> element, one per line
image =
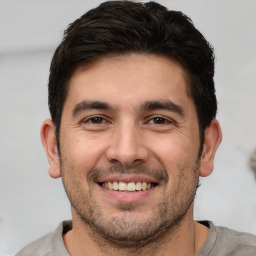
<point x="49" y="141"/>
<point x="212" y="140"/>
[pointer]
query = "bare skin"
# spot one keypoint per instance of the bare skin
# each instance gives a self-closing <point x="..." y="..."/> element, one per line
<point x="128" y="120"/>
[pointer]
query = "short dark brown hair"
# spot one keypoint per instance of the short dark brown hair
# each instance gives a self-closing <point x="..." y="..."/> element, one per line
<point x="120" y="27"/>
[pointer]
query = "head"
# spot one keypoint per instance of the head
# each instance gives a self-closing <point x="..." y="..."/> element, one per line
<point x="121" y="27"/>
<point x="132" y="101"/>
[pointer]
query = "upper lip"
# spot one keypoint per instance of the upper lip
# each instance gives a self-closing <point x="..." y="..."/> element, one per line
<point x="127" y="178"/>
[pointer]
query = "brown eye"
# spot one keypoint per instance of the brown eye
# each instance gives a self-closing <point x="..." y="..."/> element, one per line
<point x="96" y="123"/>
<point x="96" y="120"/>
<point x="159" y="120"/>
<point x="160" y="123"/>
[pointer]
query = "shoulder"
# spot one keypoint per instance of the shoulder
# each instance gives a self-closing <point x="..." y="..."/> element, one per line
<point x="50" y="244"/>
<point x="240" y="237"/>
<point x="235" y="241"/>
<point x="223" y="241"/>
<point x="39" y="247"/>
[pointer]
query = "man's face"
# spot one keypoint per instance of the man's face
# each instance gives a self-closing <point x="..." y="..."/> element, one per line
<point x="129" y="143"/>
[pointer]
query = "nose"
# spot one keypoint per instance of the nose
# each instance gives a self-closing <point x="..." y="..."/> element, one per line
<point x="126" y="146"/>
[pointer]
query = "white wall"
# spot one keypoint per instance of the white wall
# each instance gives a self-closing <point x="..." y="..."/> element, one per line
<point x="31" y="202"/>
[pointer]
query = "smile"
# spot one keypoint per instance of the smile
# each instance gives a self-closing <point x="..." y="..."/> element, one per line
<point x="127" y="187"/>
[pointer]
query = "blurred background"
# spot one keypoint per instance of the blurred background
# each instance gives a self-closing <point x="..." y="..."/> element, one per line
<point x="31" y="203"/>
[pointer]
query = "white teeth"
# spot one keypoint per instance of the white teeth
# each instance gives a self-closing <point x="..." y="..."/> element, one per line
<point x="131" y="186"/>
<point x="138" y="186"/>
<point x="122" y="186"/>
<point x="144" y="185"/>
<point x="115" y="186"/>
<point x="110" y="185"/>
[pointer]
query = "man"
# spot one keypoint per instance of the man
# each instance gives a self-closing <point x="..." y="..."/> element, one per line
<point x="133" y="106"/>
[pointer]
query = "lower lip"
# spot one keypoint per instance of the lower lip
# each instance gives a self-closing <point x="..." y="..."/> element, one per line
<point x="127" y="197"/>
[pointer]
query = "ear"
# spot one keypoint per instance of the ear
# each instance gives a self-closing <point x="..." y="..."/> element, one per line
<point x="212" y="139"/>
<point x="49" y="141"/>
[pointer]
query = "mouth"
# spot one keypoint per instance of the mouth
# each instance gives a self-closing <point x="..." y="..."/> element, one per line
<point x="127" y="186"/>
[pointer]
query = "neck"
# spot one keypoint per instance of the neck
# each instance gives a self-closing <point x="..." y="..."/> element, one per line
<point x="185" y="239"/>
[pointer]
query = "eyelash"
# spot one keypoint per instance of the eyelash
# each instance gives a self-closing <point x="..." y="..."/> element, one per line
<point x="95" y="118"/>
<point x="161" y="120"/>
<point x="157" y="120"/>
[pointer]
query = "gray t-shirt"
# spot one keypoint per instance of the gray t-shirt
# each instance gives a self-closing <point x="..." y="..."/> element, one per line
<point x="221" y="242"/>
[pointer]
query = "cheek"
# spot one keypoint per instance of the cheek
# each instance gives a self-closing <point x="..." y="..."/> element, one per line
<point x="173" y="149"/>
<point x="83" y="152"/>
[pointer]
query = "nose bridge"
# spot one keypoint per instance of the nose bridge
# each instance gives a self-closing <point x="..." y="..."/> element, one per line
<point x="126" y="146"/>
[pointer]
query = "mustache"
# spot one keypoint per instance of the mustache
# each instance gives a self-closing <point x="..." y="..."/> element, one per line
<point x="158" y="174"/>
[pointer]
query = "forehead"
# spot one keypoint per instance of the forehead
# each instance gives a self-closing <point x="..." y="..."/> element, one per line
<point x="129" y="79"/>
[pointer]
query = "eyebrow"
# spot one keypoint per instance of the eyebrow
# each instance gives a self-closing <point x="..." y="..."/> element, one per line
<point x="163" y="105"/>
<point x="146" y="106"/>
<point x="88" y="105"/>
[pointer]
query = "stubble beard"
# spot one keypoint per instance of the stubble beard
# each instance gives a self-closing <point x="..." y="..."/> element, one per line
<point x="124" y="231"/>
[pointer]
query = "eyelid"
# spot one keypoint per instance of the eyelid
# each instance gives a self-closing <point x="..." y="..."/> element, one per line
<point x="167" y="119"/>
<point x="89" y="118"/>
